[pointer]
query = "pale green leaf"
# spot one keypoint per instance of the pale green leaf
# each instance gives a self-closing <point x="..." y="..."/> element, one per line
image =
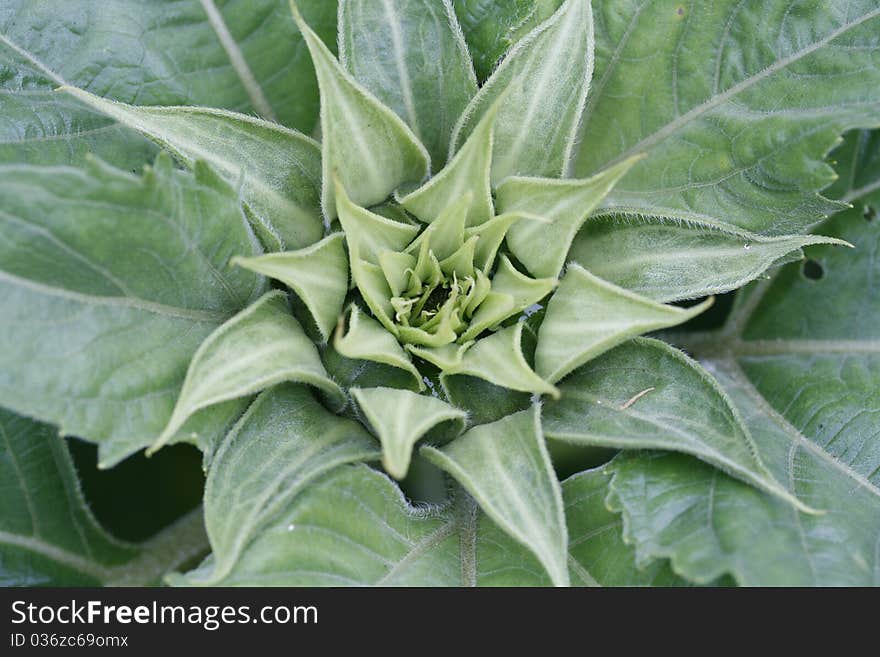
<point x="735" y="103"/>
<point x="400" y="418"/>
<point x="110" y="283"/>
<point x="279" y="169"/>
<point x="506" y="467"/>
<point x="667" y="260"/>
<point x="412" y="56"/>
<point x="261" y="346"/>
<point x="467" y="173"/>
<point x="648" y="395"/>
<point x="560" y="207"/>
<point x="284" y="442"/>
<point x="545" y="78"/>
<point x="318" y="274"/>
<point x="499" y="359"/>
<point x="491" y="234"/>
<point x="366" y="145"/>
<point x="446" y="234"/>
<point x="588" y="316"/>
<point x="362" y="337"/>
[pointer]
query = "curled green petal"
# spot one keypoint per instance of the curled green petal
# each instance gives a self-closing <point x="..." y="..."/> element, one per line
<point x="499" y="359"/>
<point x="588" y="316"/>
<point x="259" y="347"/>
<point x="318" y="274"/>
<point x="400" y="418"/>
<point x="564" y="205"/>
<point x="362" y="337"/>
<point x="512" y="292"/>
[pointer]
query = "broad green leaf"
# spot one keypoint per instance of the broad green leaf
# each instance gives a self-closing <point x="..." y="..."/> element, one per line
<point x="761" y="541"/>
<point x="588" y="316"/>
<point x="284" y="443"/>
<point x="48" y="536"/>
<point x="666" y="260"/>
<point x="467" y="173"/>
<point x="545" y="79"/>
<point x="364" y="144"/>
<point x="400" y="418"/>
<point x="506" y="467"/>
<point x="491" y="27"/>
<point x="597" y="555"/>
<point x="279" y="169"/>
<point x="110" y="283"/>
<point x="560" y="207"/>
<point x="412" y="56"/>
<point x="362" y="337"/>
<point x="318" y="274"/>
<point x="261" y="346"/>
<point x="499" y="359"/>
<point x="735" y="103"/>
<point x="799" y="357"/>
<point x="245" y="56"/>
<point x="648" y="395"/>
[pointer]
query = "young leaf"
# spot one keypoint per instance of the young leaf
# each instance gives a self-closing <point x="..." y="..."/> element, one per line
<point x="512" y="292"/>
<point x="284" y="442"/>
<point x="566" y="341"/>
<point x="561" y="207"/>
<point x="467" y="173"/>
<point x="318" y="274"/>
<point x="732" y="139"/>
<point x="648" y="395"/>
<point x="412" y="56"/>
<point x="400" y="418"/>
<point x="506" y="467"/>
<point x="261" y="346"/>
<point x="499" y="359"/>
<point x="109" y="284"/>
<point x="545" y="78"/>
<point x="363" y="338"/>
<point x="279" y="169"/>
<point x="366" y="145"/>
<point x="667" y="260"/>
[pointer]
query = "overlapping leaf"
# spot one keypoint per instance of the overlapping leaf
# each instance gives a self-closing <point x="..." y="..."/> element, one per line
<point x="110" y="283"/>
<point x="735" y="103"/>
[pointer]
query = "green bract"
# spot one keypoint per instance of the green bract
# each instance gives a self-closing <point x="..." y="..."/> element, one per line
<point x="449" y="284"/>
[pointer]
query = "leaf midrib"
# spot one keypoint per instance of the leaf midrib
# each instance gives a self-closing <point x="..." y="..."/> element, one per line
<point x="136" y="303"/>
